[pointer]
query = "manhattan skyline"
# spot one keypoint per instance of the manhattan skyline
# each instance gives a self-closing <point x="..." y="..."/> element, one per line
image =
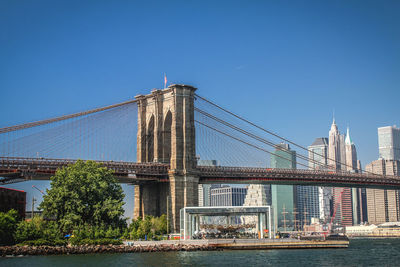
<point x="286" y="66"/>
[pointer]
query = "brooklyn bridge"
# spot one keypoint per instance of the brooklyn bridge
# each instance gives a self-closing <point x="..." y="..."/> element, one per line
<point x="158" y="143"/>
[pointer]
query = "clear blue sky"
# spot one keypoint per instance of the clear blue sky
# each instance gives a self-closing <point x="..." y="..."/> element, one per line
<point x="286" y="65"/>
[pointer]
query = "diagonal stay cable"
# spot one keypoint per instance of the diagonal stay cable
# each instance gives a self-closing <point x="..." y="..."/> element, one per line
<point x="262" y="140"/>
<point x="272" y="133"/>
<point x="252" y="135"/>
<point x="247" y="143"/>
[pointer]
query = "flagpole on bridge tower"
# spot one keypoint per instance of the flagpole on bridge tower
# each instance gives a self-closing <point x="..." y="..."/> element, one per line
<point x="165" y="80"/>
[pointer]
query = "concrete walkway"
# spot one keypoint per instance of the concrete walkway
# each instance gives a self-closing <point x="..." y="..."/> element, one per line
<point x="249" y="243"/>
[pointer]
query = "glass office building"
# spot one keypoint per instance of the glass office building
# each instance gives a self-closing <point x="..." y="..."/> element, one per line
<point x="228" y="196"/>
<point x="283" y="195"/>
<point x="389" y="142"/>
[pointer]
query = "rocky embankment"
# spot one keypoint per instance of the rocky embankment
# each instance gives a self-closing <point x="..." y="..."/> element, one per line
<point x="86" y="249"/>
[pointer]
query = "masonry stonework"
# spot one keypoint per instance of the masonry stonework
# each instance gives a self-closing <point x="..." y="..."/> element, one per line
<point x="166" y="133"/>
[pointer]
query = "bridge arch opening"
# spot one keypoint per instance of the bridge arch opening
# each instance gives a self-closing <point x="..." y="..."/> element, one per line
<point x="150" y="140"/>
<point x="166" y="136"/>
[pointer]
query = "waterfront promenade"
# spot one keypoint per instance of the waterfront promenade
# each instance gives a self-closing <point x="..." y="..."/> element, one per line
<point x="176" y="245"/>
<point x="287" y="243"/>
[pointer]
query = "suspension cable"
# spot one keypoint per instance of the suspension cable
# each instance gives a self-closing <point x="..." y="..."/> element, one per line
<point x="61" y="118"/>
<point x="260" y="139"/>
<point x="272" y="133"/>
<point x="247" y="143"/>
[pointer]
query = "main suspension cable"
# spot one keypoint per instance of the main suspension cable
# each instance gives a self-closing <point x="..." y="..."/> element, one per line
<point x="61" y="118"/>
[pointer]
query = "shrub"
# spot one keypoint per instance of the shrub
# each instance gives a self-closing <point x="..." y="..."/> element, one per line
<point x="38" y="232"/>
<point x="152" y="227"/>
<point x="44" y="242"/>
<point x="8" y="224"/>
<point x="51" y="231"/>
<point x="83" y="232"/>
<point x="29" y="230"/>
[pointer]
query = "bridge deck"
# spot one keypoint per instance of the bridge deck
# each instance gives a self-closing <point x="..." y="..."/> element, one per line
<point x="244" y="175"/>
<point x="42" y="169"/>
<point x="20" y="169"/>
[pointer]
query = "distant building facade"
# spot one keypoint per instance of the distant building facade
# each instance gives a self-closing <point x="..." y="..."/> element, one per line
<point x="389" y="142"/>
<point x="383" y="205"/>
<point x="205" y="189"/>
<point x="307" y="205"/>
<point x="258" y="195"/>
<point x="358" y="195"/>
<point x="283" y="196"/>
<point x="228" y="196"/>
<point x="318" y="160"/>
<point x="13" y="199"/>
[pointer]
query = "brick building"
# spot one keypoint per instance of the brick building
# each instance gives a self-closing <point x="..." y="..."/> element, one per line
<point x="12" y="199"/>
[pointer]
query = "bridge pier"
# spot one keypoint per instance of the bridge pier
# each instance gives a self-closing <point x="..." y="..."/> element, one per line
<point x="150" y="199"/>
<point x="166" y="134"/>
<point x="180" y="192"/>
<point x="184" y="193"/>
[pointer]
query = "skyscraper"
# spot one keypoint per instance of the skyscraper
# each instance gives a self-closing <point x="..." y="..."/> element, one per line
<point x="318" y="154"/>
<point x="228" y="196"/>
<point x="357" y="194"/>
<point x="383" y="205"/>
<point x="335" y="153"/>
<point x="283" y="195"/>
<point x="342" y="197"/>
<point x="389" y="142"/>
<point x="318" y="160"/>
<point x="307" y="204"/>
<point x="351" y="153"/>
<point x="205" y="189"/>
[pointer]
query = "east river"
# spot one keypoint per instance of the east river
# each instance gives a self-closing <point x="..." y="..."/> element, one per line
<point x="361" y="252"/>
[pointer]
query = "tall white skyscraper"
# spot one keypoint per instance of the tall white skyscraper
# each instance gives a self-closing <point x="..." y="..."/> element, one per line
<point x="319" y="197"/>
<point x="351" y="154"/>
<point x="336" y="148"/>
<point x="389" y="142"/>
<point x="358" y="194"/>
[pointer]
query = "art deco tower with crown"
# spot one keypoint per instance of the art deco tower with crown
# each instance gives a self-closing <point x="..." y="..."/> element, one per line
<point x="342" y="156"/>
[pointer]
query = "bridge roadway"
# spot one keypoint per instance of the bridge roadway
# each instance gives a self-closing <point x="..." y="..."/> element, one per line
<point x="14" y="169"/>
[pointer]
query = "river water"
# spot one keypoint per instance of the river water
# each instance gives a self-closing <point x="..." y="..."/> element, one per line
<point x="361" y="252"/>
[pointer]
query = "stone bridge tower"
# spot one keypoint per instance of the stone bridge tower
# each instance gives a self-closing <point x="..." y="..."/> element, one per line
<point x="166" y="133"/>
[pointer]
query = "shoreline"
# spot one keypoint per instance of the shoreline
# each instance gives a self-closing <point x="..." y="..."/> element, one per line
<point x="172" y="246"/>
<point x="90" y="249"/>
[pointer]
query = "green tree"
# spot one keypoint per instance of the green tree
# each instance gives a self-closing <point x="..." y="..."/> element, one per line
<point x="84" y="193"/>
<point x="8" y="224"/>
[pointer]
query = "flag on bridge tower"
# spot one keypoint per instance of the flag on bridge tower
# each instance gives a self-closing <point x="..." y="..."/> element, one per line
<point x="165" y="80"/>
